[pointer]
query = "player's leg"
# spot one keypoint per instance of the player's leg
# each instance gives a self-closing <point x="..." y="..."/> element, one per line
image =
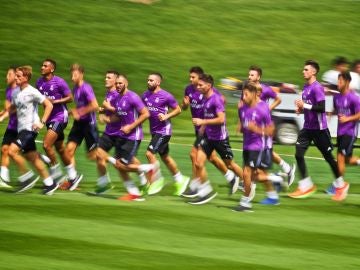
<point x="205" y="192"/>
<point x="305" y="186"/>
<point x="339" y="188"/>
<point x="9" y="137"/>
<point x="234" y="172"/>
<point x="285" y="167"/>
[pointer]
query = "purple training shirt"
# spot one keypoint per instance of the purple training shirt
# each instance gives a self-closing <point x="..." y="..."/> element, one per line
<point x="157" y="103"/>
<point x="12" y="124"/>
<point x="112" y="129"/>
<point x="83" y="95"/>
<point x="54" y="89"/>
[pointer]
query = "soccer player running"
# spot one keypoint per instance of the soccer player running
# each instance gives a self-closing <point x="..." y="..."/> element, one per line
<point x="11" y="130"/>
<point x="257" y="127"/>
<point x="111" y="133"/>
<point x="347" y="107"/>
<point x="84" y="125"/>
<point x="25" y="101"/>
<point x="130" y="113"/>
<point x="194" y="99"/>
<point x="315" y="129"/>
<point x="213" y="125"/>
<point x="158" y="102"/>
<point x="58" y="92"/>
<point x="266" y="94"/>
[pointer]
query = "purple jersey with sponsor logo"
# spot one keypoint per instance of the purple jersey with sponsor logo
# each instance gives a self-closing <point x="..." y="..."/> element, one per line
<point x="12" y="125"/>
<point x="347" y="105"/>
<point x="197" y="101"/>
<point x="128" y="107"/>
<point x="55" y="88"/>
<point x="159" y="102"/>
<point x="260" y="114"/>
<point x="112" y="129"/>
<point x="83" y="95"/>
<point x="212" y="106"/>
<point x="313" y="94"/>
<point x="267" y="93"/>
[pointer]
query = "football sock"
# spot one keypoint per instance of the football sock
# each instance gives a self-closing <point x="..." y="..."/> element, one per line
<point x="272" y="195"/>
<point x="103" y="180"/>
<point x="143" y="180"/>
<point x="26" y="176"/>
<point x="205" y="189"/>
<point x="339" y="182"/>
<point x="48" y="181"/>
<point x="274" y="178"/>
<point x="4" y="173"/>
<point x="305" y="184"/>
<point x="131" y="187"/>
<point x="178" y="177"/>
<point x="194" y="184"/>
<point x="229" y="175"/>
<point x="285" y="166"/>
<point x="71" y="171"/>
<point x="145" y="167"/>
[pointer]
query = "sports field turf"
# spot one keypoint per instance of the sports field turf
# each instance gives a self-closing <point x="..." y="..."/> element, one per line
<point x="71" y="230"/>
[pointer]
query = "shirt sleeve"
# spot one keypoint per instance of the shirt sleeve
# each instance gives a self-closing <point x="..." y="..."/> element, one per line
<point x="37" y="96"/>
<point x="172" y="102"/>
<point x="319" y="93"/>
<point x="64" y="87"/>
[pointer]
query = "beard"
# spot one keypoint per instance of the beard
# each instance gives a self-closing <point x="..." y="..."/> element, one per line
<point x="151" y="88"/>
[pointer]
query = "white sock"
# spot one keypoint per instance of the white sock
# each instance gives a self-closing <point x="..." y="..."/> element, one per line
<point x="26" y="176"/>
<point x="143" y="180"/>
<point x="145" y="167"/>
<point x="71" y="171"/>
<point x="103" y="180"/>
<point x="272" y="195"/>
<point x="205" y="189"/>
<point x="339" y="182"/>
<point x="194" y="184"/>
<point x="229" y="175"/>
<point x="306" y="184"/>
<point x="358" y="162"/>
<point x="245" y="201"/>
<point x="285" y="166"/>
<point x="131" y="187"/>
<point x="55" y="170"/>
<point x="274" y="178"/>
<point x="48" y="181"/>
<point x="4" y="173"/>
<point x="178" y="177"/>
<point x="45" y="158"/>
<point x="112" y="160"/>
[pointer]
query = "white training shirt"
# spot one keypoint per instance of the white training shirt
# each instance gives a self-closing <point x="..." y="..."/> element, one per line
<point x="26" y="102"/>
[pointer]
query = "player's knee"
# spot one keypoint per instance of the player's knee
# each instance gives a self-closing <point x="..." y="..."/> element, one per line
<point x="5" y="150"/>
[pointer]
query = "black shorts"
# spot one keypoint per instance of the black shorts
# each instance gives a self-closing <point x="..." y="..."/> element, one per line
<point x="321" y="139"/>
<point x="222" y="147"/>
<point x="9" y="136"/>
<point x="345" y="145"/>
<point x="266" y="159"/>
<point x="125" y="150"/>
<point x="252" y="158"/>
<point x="159" y="144"/>
<point x="84" y="130"/>
<point x="58" y="128"/>
<point x="106" y="142"/>
<point x="26" y="141"/>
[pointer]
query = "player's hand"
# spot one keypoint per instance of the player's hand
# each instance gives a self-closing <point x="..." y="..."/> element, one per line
<point x="162" y="117"/>
<point x="343" y="118"/>
<point x="104" y="119"/>
<point x="126" y="129"/>
<point x="186" y="101"/>
<point x="299" y="103"/>
<point x="253" y="127"/>
<point x="101" y="110"/>
<point x="37" y="126"/>
<point x="106" y="104"/>
<point x="197" y="121"/>
<point x="75" y="114"/>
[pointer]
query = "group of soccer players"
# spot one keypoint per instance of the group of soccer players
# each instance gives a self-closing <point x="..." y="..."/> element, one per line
<point x="123" y="111"/>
